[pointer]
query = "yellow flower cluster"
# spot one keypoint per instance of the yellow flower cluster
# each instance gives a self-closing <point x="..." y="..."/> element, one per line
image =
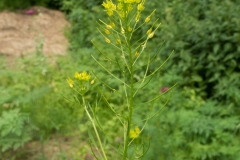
<point x="129" y="1"/>
<point x="140" y="7"/>
<point x="84" y="76"/>
<point x="82" y="82"/>
<point x="122" y="8"/>
<point x="109" y="6"/>
<point x="134" y="133"/>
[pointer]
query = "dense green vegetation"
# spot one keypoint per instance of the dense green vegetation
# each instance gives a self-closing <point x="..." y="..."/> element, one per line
<point x="23" y="4"/>
<point x="201" y="121"/>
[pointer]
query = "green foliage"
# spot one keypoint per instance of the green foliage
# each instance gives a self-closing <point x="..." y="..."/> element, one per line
<point x="191" y="128"/>
<point x="82" y="15"/>
<point x="32" y="87"/>
<point x="13" y="129"/>
<point x="205" y="36"/>
<point x="202" y="120"/>
<point x="23" y="4"/>
<point x="37" y="87"/>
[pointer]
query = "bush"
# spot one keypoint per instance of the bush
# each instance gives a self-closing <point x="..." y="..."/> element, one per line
<point x="23" y="4"/>
<point x="82" y="15"/>
<point x="13" y="130"/>
<point x="32" y="88"/>
<point x="205" y="36"/>
<point x="192" y="128"/>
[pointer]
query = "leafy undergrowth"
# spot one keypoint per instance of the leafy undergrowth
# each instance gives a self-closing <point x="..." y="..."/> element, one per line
<point x="38" y="116"/>
<point x="56" y="147"/>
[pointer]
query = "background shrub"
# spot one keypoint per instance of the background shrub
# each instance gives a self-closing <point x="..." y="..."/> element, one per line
<point x="205" y="36"/>
<point x="13" y="130"/>
<point x="22" y="4"/>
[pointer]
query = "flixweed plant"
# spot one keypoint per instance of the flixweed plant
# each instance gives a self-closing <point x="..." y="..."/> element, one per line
<point x="124" y="20"/>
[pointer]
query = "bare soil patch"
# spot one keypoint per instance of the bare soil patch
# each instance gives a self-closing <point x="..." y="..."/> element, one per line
<point x="21" y="33"/>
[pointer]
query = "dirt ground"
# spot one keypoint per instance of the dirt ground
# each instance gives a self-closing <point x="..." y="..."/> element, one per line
<point x="21" y="32"/>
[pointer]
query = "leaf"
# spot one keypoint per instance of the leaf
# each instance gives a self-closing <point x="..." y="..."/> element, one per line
<point x="196" y="78"/>
<point x="216" y="48"/>
<point x="6" y="146"/>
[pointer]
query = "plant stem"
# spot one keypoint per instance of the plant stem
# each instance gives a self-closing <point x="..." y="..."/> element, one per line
<point x="95" y="129"/>
<point x="129" y="121"/>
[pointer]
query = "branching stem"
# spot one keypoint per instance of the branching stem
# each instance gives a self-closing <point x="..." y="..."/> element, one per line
<point x="95" y="128"/>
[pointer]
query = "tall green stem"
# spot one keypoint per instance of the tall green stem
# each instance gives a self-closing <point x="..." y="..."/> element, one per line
<point x="95" y="129"/>
<point x="129" y="121"/>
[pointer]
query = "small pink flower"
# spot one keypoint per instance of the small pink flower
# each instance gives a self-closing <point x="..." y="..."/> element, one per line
<point x="30" y="12"/>
<point x="164" y="89"/>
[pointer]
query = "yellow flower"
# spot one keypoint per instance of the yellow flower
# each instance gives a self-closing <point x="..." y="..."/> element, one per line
<point x="70" y="82"/>
<point x="112" y="25"/>
<point x="138" y="17"/>
<point x="137" y="54"/>
<point x="110" y="12"/>
<point x="129" y="29"/>
<point x="76" y="75"/>
<point x="120" y="6"/>
<point x="149" y="31"/>
<point x="151" y="35"/>
<point x="137" y="1"/>
<point x="84" y="76"/>
<point x="147" y="19"/>
<point x="109" y="6"/>
<point x="134" y="133"/>
<point x="107" y="31"/>
<point x="122" y="14"/>
<point x="118" y="41"/>
<point x="107" y="40"/>
<point x="140" y="7"/>
<point x="122" y="31"/>
<point x="129" y="7"/>
<point x="144" y="46"/>
<point x="129" y="1"/>
<point x="108" y="26"/>
<point x="92" y="81"/>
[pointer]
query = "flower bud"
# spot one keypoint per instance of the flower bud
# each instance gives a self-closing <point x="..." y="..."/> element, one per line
<point x="147" y="19"/>
<point x="107" y="40"/>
